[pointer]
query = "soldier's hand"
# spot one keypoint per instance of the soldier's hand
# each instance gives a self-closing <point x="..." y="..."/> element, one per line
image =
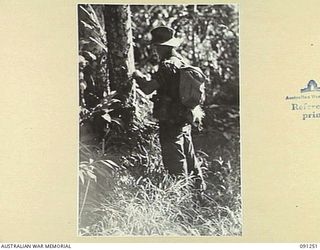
<point x="137" y="74"/>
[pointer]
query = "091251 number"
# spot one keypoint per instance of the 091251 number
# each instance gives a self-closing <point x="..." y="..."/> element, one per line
<point x="308" y="245"/>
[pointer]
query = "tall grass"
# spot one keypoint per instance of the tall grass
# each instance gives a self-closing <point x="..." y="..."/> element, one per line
<point x="137" y="196"/>
<point x="163" y="205"/>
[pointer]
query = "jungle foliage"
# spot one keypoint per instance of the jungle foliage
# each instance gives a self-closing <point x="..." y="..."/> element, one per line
<point x="123" y="187"/>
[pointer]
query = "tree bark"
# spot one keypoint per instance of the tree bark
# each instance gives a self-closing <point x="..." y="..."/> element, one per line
<point x="120" y="60"/>
<point x="120" y="50"/>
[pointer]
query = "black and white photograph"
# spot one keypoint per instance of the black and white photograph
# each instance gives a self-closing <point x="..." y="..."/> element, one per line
<point x="159" y="120"/>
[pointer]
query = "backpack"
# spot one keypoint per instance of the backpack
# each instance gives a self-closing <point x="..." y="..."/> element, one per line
<point x="192" y="86"/>
<point x="192" y="93"/>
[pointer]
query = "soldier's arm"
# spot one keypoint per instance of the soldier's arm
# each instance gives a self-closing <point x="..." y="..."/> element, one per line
<point x="147" y="86"/>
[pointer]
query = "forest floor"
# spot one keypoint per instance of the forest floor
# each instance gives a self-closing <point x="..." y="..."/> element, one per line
<point x="150" y="202"/>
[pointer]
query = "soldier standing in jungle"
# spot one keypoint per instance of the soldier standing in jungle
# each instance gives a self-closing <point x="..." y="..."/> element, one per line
<point x="175" y="128"/>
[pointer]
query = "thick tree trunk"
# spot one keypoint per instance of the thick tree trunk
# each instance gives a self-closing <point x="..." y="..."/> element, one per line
<point x="120" y="59"/>
<point x="120" y="50"/>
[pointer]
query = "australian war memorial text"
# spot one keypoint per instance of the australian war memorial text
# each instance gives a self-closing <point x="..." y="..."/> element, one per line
<point x="33" y="245"/>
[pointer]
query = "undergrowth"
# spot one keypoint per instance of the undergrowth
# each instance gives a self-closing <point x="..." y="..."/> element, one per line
<point x="171" y="209"/>
<point x="138" y="197"/>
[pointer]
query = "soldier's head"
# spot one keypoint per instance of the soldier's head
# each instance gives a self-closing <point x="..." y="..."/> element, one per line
<point x="163" y="40"/>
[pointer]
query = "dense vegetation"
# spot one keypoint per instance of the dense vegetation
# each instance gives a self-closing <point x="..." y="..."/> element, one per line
<point x="123" y="187"/>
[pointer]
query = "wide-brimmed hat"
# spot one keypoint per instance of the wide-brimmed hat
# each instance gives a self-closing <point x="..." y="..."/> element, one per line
<point x="164" y="36"/>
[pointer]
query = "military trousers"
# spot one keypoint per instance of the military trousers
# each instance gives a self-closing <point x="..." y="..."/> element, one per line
<point x="177" y="149"/>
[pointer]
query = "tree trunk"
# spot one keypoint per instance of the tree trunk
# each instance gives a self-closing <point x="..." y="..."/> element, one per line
<point x="121" y="60"/>
<point x="120" y="50"/>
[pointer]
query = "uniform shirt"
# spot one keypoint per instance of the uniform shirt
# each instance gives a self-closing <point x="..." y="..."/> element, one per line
<point x="167" y="104"/>
<point x="168" y="76"/>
